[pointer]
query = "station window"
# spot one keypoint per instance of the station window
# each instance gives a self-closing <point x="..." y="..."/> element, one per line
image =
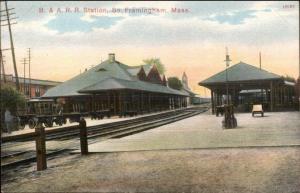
<point x="37" y="91"/>
<point x="26" y="90"/>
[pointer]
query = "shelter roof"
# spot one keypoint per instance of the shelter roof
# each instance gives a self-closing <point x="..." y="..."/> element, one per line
<point x="240" y="72"/>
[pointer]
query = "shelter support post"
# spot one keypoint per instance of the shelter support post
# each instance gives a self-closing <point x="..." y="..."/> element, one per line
<point x="212" y="102"/>
<point x="271" y="96"/>
<point x="115" y="103"/>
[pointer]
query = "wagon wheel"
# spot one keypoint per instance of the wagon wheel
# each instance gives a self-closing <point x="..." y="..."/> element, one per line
<point x="31" y="123"/>
<point x="59" y="121"/>
<point x="49" y="122"/>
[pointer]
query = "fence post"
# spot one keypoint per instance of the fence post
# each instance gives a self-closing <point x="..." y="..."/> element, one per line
<point x="40" y="147"/>
<point x="83" y="137"/>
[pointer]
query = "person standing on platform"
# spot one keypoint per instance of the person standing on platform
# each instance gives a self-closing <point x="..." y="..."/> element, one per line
<point x="8" y="119"/>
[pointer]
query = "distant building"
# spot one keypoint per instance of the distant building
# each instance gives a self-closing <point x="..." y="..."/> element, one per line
<point x="37" y="88"/>
<point x="197" y="100"/>
<point x="248" y="85"/>
<point x="186" y="89"/>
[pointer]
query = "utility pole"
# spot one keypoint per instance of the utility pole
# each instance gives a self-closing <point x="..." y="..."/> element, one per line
<point x="29" y="71"/>
<point x="2" y="67"/>
<point x="227" y="64"/>
<point x="1" y="56"/>
<point x="9" y="23"/>
<point x="24" y="62"/>
<point x="298" y="87"/>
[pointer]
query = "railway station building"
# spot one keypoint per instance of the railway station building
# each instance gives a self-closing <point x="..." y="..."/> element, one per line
<point x="186" y="89"/>
<point x="118" y="88"/>
<point x="248" y="85"/>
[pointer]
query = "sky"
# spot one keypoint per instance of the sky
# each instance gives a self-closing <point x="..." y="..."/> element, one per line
<point x="68" y="37"/>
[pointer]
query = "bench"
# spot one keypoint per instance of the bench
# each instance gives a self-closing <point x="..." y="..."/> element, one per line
<point x="219" y="110"/>
<point x="257" y="109"/>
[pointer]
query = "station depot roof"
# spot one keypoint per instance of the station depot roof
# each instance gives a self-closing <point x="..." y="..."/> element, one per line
<point x="133" y="70"/>
<point x="238" y="73"/>
<point x="109" y="75"/>
<point x="118" y="84"/>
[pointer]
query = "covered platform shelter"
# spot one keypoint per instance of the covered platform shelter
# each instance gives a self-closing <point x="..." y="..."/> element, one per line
<point x="118" y="88"/>
<point x="248" y="85"/>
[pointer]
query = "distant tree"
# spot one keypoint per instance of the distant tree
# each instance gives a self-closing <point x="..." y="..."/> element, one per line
<point x="11" y="99"/>
<point x="174" y="83"/>
<point x="160" y="66"/>
<point x="289" y="78"/>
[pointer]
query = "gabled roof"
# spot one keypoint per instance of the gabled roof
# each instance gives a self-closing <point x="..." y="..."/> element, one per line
<point x="134" y="71"/>
<point x="240" y="72"/>
<point x="147" y="68"/>
<point x="33" y="81"/>
<point x="100" y="72"/>
<point x="115" y="83"/>
<point x="37" y="81"/>
<point x="106" y="76"/>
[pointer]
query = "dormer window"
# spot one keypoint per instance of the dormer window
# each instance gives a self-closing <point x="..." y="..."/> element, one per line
<point x="101" y="69"/>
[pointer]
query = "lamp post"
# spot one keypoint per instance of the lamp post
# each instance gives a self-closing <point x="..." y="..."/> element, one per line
<point x="229" y="120"/>
<point x="227" y="60"/>
<point x="227" y="98"/>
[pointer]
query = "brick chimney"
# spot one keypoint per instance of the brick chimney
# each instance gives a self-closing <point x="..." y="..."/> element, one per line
<point x="111" y="57"/>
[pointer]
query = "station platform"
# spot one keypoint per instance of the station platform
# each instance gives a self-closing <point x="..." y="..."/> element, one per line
<point x="89" y="123"/>
<point x="204" y="131"/>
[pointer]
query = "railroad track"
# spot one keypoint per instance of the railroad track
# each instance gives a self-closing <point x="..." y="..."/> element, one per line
<point x="23" y="145"/>
<point x="73" y="131"/>
<point x="69" y="140"/>
<point x="92" y="130"/>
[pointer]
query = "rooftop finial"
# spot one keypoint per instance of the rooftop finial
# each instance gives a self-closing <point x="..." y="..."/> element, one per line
<point x="227" y="58"/>
<point x="259" y="60"/>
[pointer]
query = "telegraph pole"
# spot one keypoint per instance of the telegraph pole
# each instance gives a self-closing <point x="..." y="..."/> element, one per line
<point x="24" y="62"/>
<point x="1" y="57"/>
<point x="2" y="67"/>
<point x="29" y="71"/>
<point x="298" y="86"/>
<point x="9" y="23"/>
